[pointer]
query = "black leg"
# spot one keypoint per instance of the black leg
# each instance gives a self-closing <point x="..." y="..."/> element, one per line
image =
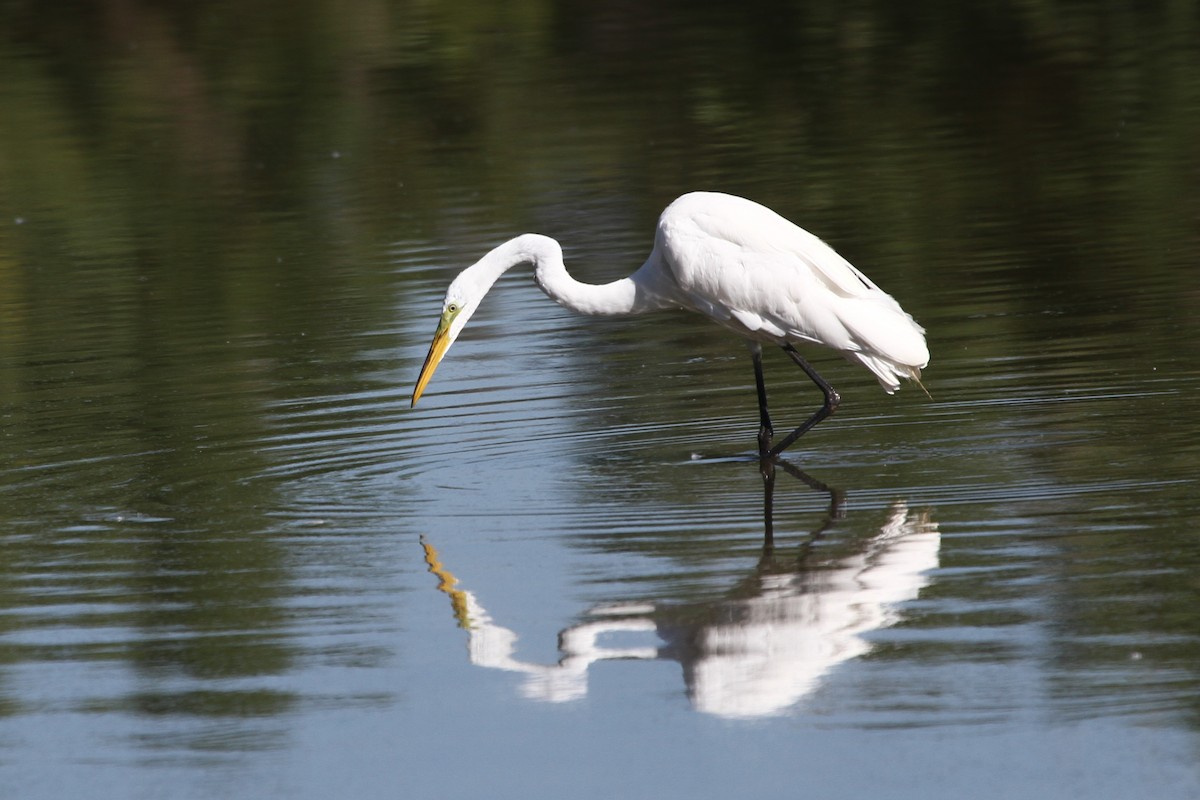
<point x="765" y="431"/>
<point x="832" y="398"/>
<point x="766" y="466"/>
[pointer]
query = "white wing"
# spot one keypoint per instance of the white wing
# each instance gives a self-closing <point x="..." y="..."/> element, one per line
<point x="755" y="272"/>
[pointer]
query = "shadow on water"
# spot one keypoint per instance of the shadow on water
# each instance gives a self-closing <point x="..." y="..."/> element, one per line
<point x="759" y="648"/>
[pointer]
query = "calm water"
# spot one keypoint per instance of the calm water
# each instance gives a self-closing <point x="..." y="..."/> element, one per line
<point x="234" y="563"/>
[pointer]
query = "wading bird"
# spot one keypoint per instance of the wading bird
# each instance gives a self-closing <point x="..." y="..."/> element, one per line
<point x="741" y="265"/>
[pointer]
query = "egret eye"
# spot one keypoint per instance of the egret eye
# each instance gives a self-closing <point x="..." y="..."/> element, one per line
<point x="452" y="308"/>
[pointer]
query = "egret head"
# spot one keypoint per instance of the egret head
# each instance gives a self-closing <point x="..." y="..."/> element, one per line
<point x="462" y="298"/>
<point x="468" y="289"/>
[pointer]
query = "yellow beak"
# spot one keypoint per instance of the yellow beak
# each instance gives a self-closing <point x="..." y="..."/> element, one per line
<point x="441" y="342"/>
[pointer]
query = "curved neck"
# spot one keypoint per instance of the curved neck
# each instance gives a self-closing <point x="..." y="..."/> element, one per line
<point x="619" y="297"/>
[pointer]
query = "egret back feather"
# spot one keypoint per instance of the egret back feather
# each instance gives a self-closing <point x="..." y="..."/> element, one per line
<point x="757" y="273"/>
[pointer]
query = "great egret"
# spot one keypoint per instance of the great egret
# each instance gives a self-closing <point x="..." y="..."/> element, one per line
<point x="741" y="265"/>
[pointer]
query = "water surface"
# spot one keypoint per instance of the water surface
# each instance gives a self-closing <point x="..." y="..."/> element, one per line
<point x="236" y="563"/>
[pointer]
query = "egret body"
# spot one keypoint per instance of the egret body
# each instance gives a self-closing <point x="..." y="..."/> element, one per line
<point x="741" y="265"/>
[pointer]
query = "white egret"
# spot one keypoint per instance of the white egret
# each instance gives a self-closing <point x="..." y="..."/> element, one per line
<point x="741" y="265"/>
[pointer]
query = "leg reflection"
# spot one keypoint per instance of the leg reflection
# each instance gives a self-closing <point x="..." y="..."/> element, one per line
<point x="837" y="499"/>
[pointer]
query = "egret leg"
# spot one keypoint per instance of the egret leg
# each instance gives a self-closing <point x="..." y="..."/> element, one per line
<point x="766" y="466"/>
<point x="832" y="398"/>
<point x="765" y="431"/>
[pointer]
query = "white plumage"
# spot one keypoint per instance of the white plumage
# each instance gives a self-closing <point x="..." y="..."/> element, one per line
<point x="738" y="263"/>
<point x="747" y="268"/>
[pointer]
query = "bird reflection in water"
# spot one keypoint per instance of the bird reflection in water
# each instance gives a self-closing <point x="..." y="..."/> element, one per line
<point x="757" y="651"/>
